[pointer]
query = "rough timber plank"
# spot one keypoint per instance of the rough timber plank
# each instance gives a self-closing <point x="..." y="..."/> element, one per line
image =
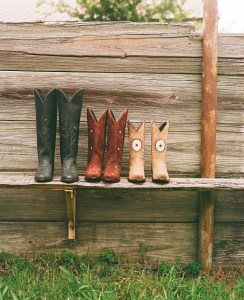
<point x="163" y="240"/>
<point x="11" y="61"/>
<point x="73" y="29"/>
<point x="18" y="149"/>
<point x="12" y="180"/>
<point x="175" y="96"/>
<point x="65" y="38"/>
<point x="100" y="206"/>
<point x="121" y="205"/>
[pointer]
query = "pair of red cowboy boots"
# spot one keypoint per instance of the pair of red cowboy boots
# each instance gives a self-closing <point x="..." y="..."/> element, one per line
<point x="97" y="143"/>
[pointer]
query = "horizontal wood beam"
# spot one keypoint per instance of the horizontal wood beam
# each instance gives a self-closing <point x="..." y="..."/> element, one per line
<point x="12" y="180"/>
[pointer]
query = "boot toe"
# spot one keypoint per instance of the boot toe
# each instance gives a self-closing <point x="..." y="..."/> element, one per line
<point x="93" y="174"/>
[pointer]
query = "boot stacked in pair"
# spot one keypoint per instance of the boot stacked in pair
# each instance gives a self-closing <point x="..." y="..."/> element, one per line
<point x="159" y="137"/>
<point x="46" y="122"/>
<point x="97" y="142"/>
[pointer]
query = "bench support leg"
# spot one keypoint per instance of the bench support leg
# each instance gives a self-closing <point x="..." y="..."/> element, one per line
<point x="206" y="225"/>
<point x="70" y="195"/>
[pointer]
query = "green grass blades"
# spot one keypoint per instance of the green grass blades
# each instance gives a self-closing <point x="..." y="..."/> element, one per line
<point x="108" y="276"/>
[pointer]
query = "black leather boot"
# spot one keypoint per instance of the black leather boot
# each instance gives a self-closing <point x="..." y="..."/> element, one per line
<point x="46" y="119"/>
<point x="69" y="122"/>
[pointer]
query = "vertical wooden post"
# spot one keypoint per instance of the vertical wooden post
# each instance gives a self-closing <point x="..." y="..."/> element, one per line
<point x="208" y="139"/>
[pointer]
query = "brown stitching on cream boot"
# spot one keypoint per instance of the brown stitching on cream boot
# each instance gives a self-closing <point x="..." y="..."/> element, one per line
<point x="137" y="146"/>
<point x="159" y="136"/>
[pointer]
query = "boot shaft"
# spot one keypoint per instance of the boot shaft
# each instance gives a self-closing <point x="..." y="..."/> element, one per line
<point x="137" y="146"/>
<point x="115" y="145"/>
<point x="159" y="138"/>
<point x="116" y="135"/>
<point x="96" y="135"/>
<point x="46" y="121"/>
<point x="69" y="123"/>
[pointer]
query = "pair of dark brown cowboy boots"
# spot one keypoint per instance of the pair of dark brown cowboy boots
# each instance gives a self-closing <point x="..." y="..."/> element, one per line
<point x="46" y="123"/>
<point x="97" y="143"/>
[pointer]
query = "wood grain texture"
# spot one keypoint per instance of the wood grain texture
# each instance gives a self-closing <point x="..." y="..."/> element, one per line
<point x="11" y="61"/>
<point x="129" y="39"/>
<point x="18" y="149"/>
<point x="13" y="180"/>
<point x="175" y="96"/>
<point x="161" y="241"/>
<point x="72" y="29"/>
<point x="120" y="205"/>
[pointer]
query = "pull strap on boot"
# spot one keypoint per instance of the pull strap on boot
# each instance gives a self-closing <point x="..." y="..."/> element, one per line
<point x="137" y="146"/>
<point x="159" y="137"/>
<point x="69" y="123"/>
<point x="96" y="145"/>
<point x="46" y="119"/>
<point x="116" y="135"/>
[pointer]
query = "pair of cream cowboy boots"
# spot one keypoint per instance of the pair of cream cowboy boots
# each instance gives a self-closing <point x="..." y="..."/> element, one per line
<point x="159" y="137"/>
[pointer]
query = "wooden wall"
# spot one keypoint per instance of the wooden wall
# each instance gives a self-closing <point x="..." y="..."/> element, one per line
<point x="155" y="71"/>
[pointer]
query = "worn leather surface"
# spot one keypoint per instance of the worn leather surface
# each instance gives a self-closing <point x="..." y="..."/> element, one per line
<point x="46" y="119"/>
<point x="69" y="123"/>
<point x="159" y="138"/>
<point x="96" y="144"/>
<point x="137" y="146"/>
<point x="115" y="146"/>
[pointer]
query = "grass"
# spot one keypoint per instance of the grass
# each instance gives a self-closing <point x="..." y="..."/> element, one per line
<point x="107" y="276"/>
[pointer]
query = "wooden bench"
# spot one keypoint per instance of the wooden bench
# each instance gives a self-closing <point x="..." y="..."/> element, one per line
<point x="155" y="71"/>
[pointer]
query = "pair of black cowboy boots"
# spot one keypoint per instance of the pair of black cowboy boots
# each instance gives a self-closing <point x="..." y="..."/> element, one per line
<point x="46" y="123"/>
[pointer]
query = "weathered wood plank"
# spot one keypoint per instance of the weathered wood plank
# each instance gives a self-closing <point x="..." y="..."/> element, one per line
<point x="73" y="29"/>
<point x="121" y="205"/>
<point x="99" y="206"/>
<point x="66" y="36"/>
<point x="161" y="241"/>
<point x="175" y="96"/>
<point x="229" y="206"/>
<point x="228" y="244"/>
<point x="11" y="61"/>
<point x="18" y="149"/>
<point x="26" y="180"/>
<point x="106" y="46"/>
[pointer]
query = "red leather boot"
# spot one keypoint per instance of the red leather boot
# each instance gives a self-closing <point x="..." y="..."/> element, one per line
<point x="96" y="145"/>
<point x="116" y="135"/>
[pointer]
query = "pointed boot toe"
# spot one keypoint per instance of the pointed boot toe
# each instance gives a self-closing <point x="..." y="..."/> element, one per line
<point x="93" y="173"/>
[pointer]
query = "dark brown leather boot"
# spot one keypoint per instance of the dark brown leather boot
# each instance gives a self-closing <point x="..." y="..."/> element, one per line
<point x="96" y="145"/>
<point x="69" y="123"/>
<point x="116" y="135"/>
<point x="46" y="119"/>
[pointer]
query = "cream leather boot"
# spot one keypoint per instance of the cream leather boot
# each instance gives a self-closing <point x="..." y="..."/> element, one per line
<point x="136" y="143"/>
<point x="159" y="137"/>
